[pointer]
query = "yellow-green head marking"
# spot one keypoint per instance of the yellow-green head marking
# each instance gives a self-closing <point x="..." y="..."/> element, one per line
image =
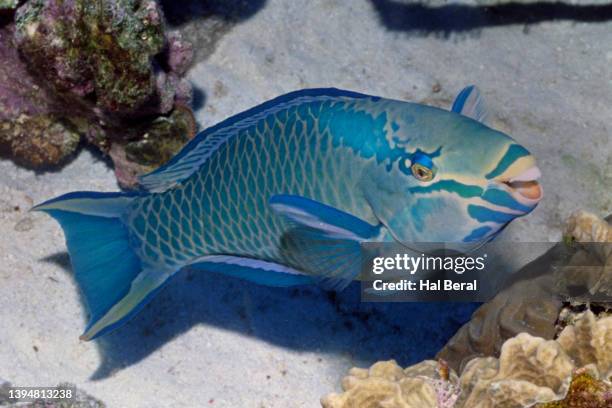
<point x="455" y="179"/>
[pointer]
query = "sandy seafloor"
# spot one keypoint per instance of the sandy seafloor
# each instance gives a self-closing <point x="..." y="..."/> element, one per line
<point x="211" y="341"/>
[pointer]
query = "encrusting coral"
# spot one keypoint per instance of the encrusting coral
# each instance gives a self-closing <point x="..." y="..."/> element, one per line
<point x="8" y="4"/>
<point x="583" y="226"/>
<point x="529" y="370"/>
<point x="30" y="126"/>
<point x="165" y="136"/>
<point x="572" y="371"/>
<point x="533" y="303"/>
<point x="591" y="266"/>
<point x="526" y="306"/>
<point x="589" y="341"/>
<point x="385" y="384"/>
<point x="103" y="70"/>
<point x="518" y="325"/>
<point x="585" y="391"/>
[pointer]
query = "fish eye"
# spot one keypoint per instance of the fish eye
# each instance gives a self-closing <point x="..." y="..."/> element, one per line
<point x="421" y="172"/>
<point x="421" y="166"/>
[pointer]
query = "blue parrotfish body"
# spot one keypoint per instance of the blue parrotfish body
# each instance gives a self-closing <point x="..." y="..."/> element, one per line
<point x="284" y="193"/>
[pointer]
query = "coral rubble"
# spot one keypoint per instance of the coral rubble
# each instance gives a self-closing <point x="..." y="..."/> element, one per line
<point x="103" y="70"/>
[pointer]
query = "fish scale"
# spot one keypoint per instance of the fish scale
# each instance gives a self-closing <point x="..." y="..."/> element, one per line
<point x="285" y="194"/>
<point x="288" y="159"/>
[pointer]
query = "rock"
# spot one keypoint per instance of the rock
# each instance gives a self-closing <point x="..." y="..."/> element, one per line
<point x="180" y="53"/>
<point x="161" y="140"/>
<point x="106" y="71"/>
<point x="39" y="141"/>
<point x="31" y="128"/>
<point x="82" y="49"/>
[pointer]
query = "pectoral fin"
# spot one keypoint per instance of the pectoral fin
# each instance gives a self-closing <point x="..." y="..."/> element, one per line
<point x="329" y="221"/>
<point x="324" y="240"/>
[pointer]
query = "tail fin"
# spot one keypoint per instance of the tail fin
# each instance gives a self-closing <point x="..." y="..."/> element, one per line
<point x="112" y="277"/>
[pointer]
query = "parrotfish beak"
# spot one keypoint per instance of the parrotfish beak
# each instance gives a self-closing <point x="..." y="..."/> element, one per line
<point x="521" y="181"/>
<point x="523" y="185"/>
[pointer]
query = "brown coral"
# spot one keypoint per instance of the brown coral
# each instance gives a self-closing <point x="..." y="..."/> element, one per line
<point x="38" y="140"/>
<point x="526" y="306"/>
<point x="529" y="371"/>
<point x="387" y="385"/>
<point x="591" y="266"/>
<point x="532" y="304"/>
<point x="585" y="391"/>
<point x="533" y="370"/>
<point x="589" y="341"/>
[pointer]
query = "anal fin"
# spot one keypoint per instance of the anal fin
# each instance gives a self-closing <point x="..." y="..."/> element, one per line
<point x="253" y="270"/>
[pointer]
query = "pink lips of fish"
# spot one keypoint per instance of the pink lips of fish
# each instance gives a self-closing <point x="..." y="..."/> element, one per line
<point x="525" y="187"/>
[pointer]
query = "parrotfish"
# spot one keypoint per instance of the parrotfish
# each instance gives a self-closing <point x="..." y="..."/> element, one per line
<point x="285" y="193"/>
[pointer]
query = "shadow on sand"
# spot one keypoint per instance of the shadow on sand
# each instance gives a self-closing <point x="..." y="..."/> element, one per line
<point x="204" y="23"/>
<point x="178" y="12"/>
<point x="303" y="318"/>
<point x="416" y="17"/>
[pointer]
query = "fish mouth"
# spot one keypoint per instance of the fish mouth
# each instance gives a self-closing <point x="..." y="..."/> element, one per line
<point x="525" y="186"/>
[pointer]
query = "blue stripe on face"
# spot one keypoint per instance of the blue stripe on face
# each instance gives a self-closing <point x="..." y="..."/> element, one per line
<point x="464" y="190"/>
<point x="513" y="153"/>
<point x="484" y="214"/>
<point x="503" y="198"/>
<point x="477" y="234"/>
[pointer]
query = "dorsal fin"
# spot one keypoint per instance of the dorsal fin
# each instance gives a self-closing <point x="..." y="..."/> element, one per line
<point x="198" y="150"/>
<point x="469" y="102"/>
